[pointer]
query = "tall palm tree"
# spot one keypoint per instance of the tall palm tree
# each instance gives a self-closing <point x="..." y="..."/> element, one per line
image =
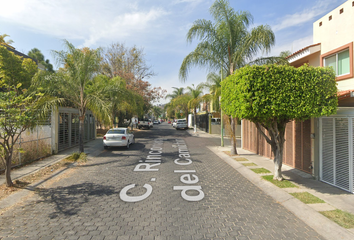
<point x="75" y="82"/>
<point x="226" y="44"/>
<point x="176" y="92"/>
<point x="196" y="94"/>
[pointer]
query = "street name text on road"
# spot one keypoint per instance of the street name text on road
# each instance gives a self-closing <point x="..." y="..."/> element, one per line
<point x="153" y="160"/>
<point x="187" y="178"/>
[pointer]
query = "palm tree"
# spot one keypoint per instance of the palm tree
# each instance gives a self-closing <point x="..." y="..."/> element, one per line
<point x="195" y="93"/>
<point x="2" y="40"/>
<point x="226" y="44"/>
<point x="76" y="84"/>
<point x="214" y="85"/>
<point x="157" y="111"/>
<point x="180" y="104"/>
<point x="176" y="92"/>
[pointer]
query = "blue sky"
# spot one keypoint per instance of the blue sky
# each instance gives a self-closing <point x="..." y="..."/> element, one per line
<point x="158" y="26"/>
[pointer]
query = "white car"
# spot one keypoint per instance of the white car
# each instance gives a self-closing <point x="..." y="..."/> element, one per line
<point x="118" y="137"/>
<point x="181" y="123"/>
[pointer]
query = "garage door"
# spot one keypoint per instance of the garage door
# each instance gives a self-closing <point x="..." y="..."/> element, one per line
<point x="336" y="151"/>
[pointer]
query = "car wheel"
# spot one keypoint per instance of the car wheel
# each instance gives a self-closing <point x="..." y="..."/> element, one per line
<point x="128" y="145"/>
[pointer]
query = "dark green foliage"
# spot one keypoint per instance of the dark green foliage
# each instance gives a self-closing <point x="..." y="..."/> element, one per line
<point x="279" y="92"/>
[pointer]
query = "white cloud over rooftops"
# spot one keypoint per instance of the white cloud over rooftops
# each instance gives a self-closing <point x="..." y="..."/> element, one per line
<point x="296" y="19"/>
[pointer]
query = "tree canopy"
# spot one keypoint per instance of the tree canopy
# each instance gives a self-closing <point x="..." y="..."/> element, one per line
<point x="14" y="69"/>
<point x="272" y="95"/>
<point x="36" y="54"/>
<point x="131" y="65"/>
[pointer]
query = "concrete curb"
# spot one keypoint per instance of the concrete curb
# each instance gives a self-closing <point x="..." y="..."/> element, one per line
<point x="327" y="228"/>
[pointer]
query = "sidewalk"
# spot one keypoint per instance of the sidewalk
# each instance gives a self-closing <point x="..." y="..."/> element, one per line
<point x="335" y="198"/>
<point x="90" y="148"/>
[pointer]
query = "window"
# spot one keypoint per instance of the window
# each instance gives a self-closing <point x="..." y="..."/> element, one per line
<point x="339" y="62"/>
<point x="341" y="11"/>
<point x="330" y="18"/>
<point x="320" y="24"/>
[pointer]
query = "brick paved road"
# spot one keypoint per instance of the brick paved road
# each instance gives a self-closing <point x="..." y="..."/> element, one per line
<point x="87" y="204"/>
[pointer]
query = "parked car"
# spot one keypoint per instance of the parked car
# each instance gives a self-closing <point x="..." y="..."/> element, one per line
<point x="156" y="122"/>
<point x="169" y="122"/>
<point x="174" y="123"/>
<point x="118" y="137"/>
<point x="181" y="124"/>
<point x="144" y="123"/>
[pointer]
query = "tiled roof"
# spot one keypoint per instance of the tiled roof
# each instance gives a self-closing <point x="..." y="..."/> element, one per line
<point x="344" y="94"/>
<point x="302" y="50"/>
<point x="18" y="53"/>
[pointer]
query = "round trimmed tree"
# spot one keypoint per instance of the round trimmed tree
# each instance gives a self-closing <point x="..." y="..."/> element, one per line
<point x="273" y="95"/>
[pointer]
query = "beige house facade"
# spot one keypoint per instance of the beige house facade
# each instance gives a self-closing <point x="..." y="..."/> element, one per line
<point x="323" y="147"/>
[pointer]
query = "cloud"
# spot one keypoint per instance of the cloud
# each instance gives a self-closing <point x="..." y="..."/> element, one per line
<point x="299" y="18"/>
<point x="293" y="46"/>
<point x="90" y="20"/>
<point x="187" y="1"/>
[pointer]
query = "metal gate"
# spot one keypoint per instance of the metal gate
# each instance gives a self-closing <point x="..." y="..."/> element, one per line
<point x="203" y="122"/>
<point x="68" y="128"/>
<point x="336" y="151"/>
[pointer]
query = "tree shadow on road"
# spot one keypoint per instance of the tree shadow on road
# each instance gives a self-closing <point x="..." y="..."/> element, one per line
<point x="69" y="200"/>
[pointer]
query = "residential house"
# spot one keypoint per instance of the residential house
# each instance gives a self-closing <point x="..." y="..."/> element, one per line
<point x="322" y="147"/>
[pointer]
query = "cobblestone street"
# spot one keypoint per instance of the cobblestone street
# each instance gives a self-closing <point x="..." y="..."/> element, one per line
<point x="86" y="204"/>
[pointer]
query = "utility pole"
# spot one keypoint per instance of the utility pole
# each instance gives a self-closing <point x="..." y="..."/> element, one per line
<point x="222" y="120"/>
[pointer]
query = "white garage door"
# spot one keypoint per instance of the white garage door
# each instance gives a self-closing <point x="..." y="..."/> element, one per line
<point x="336" y="151"/>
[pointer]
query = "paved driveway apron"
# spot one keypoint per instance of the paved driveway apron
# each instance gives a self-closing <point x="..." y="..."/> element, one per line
<point x="220" y="203"/>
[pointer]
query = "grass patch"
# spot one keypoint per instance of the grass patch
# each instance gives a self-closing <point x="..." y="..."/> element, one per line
<point x="77" y="157"/>
<point x="241" y="159"/>
<point x="307" y="198"/>
<point x="229" y="153"/>
<point x="260" y="170"/>
<point x="340" y="217"/>
<point x="249" y="164"/>
<point x="281" y="184"/>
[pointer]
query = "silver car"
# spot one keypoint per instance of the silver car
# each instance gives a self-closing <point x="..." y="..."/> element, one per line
<point x="118" y="137"/>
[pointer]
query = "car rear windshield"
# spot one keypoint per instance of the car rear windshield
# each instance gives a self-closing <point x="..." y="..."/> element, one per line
<point x="182" y="121"/>
<point x="119" y="131"/>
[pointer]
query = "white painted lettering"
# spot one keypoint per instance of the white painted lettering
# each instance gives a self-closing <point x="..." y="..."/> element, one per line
<point x="147" y="167"/>
<point x="155" y="152"/>
<point x="187" y="197"/>
<point x="156" y="149"/>
<point x="183" y="163"/>
<point x="184" y="155"/>
<point x="153" y="157"/>
<point x="186" y="178"/>
<point x="124" y="196"/>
